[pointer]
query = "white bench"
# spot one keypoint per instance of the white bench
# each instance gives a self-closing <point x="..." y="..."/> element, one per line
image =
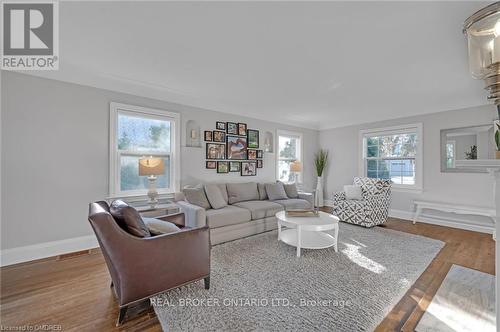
<point x="454" y="208"/>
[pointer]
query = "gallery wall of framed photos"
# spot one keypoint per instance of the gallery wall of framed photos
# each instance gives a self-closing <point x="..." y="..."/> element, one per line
<point x="232" y="147"/>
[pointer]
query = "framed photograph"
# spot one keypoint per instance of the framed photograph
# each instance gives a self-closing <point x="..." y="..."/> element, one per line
<point x="253" y="138"/>
<point x="242" y="129"/>
<point x="219" y="136"/>
<point x="232" y="128"/>
<point x="252" y="154"/>
<point x="234" y="166"/>
<point x="260" y="154"/>
<point x="208" y="136"/>
<point x="248" y="168"/>
<point x="222" y="167"/>
<point x="220" y="125"/>
<point x="211" y="164"/>
<point x="236" y="147"/>
<point x="216" y="151"/>
<point x="260" y="164"/>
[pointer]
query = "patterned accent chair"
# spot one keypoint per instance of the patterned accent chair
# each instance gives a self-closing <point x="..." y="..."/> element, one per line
<point x="372" y="210"/>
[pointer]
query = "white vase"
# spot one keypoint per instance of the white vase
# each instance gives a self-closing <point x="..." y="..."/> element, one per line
<point x="319" y="192"/>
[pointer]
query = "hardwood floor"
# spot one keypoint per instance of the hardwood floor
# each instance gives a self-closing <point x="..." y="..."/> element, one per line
<point x="73" y="291"/>
<point x="470" y="249"/>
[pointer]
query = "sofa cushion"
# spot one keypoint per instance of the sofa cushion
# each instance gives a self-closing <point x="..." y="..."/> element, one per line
<point x="294" y="203"/>
<point x="240" y="192"/>
<point x="229" y="215"/>
<point x="223" y="190"/>
<point x="196" y="196"/>
<point x="128" y="218"/>
<point x="214" y="196"/>
<point x="260" y="209"/>
<point x="262" y="191"/>
<point x="275" y="191"/>
<point x="291" y="190"/>
<point x="157" y="226"/>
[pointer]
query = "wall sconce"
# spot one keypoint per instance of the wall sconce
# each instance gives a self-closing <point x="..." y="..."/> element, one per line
<point x="483" y="37"/>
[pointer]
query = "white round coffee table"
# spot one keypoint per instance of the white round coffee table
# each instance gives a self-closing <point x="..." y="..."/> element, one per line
<point x="308" y="232"/>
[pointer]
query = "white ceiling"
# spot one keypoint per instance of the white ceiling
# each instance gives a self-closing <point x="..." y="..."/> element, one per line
<point x="317" y="65"/>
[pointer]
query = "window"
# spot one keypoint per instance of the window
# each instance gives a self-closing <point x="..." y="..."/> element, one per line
<point x="289" y="149"/>
<point x="137" y="132"/>
<point x="393" y="153"/>
<point x="450" y="154"/>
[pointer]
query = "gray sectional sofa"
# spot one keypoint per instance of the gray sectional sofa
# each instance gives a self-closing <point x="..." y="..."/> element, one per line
<point x="236" y="210"/>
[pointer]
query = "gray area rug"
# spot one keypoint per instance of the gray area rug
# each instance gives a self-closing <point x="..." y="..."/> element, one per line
<point x="258" y="284"/>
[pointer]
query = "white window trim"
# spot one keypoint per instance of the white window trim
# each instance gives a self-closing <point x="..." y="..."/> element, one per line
<point x="114" y="174"/>
<point x="419" y="158"/>
<point x="289" y="133"/>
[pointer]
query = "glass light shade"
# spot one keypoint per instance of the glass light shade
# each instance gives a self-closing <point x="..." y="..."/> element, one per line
<point x="483" y="36"/>
<point x="151" y="166"/>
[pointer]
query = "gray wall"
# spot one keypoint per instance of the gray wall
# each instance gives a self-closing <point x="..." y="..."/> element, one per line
<point x="465" y="188"/>
<point x="54" y="138"/>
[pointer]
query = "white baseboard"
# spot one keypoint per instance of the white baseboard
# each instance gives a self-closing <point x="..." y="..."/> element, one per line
<point x="448" y="222"/>
<point x="46" y="249"/>
<point x="401" y="214"/>
<point x="328" y="202"/>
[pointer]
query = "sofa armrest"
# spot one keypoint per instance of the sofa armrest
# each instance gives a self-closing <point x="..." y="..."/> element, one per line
<point x="338" y="197"/>
<point x="195" y="216"/>
<point x="308" y="197"/>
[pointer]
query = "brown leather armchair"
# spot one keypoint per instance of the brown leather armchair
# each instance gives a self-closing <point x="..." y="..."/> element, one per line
<point x="143" y="267"/>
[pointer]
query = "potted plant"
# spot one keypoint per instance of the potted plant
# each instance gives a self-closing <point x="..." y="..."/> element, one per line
<point x="497" y="139"/>
<point x="320" y="161"/>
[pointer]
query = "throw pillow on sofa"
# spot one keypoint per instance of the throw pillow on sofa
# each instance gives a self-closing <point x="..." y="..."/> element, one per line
<point x="157" y="226"/>
<point x="275" y="191"/>
<point x="196" y="196"/>
<point x="353" y="192"/>
<point x="215" y="196"/>
<point x="291" y="190"/>
<point x="128" y="218"/>
<point x="241" y="192"/>
<point x="262" y="191"/>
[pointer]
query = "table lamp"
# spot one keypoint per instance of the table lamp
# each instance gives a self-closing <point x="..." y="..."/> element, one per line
<point x="151" y="167"/>
<point x="296" y="168"/>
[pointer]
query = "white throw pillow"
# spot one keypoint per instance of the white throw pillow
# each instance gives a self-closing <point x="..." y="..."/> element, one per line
<point x="353" y="192"/>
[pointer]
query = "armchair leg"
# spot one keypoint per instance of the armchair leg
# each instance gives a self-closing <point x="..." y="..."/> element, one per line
<point x="207" y="282"/>
<point x="121" y="316"/>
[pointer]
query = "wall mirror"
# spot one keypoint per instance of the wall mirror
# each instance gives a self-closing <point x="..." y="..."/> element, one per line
<point x="466" y="143"/>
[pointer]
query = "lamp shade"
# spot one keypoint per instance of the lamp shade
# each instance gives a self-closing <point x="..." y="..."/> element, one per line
<point x="482" y="30"/>
<point x="151" y="166"/>
<point x="296" y="166"/>
<point x="483" y="38"/>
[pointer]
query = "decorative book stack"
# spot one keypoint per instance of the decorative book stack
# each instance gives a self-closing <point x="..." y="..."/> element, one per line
<point x="302" y="213"/>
